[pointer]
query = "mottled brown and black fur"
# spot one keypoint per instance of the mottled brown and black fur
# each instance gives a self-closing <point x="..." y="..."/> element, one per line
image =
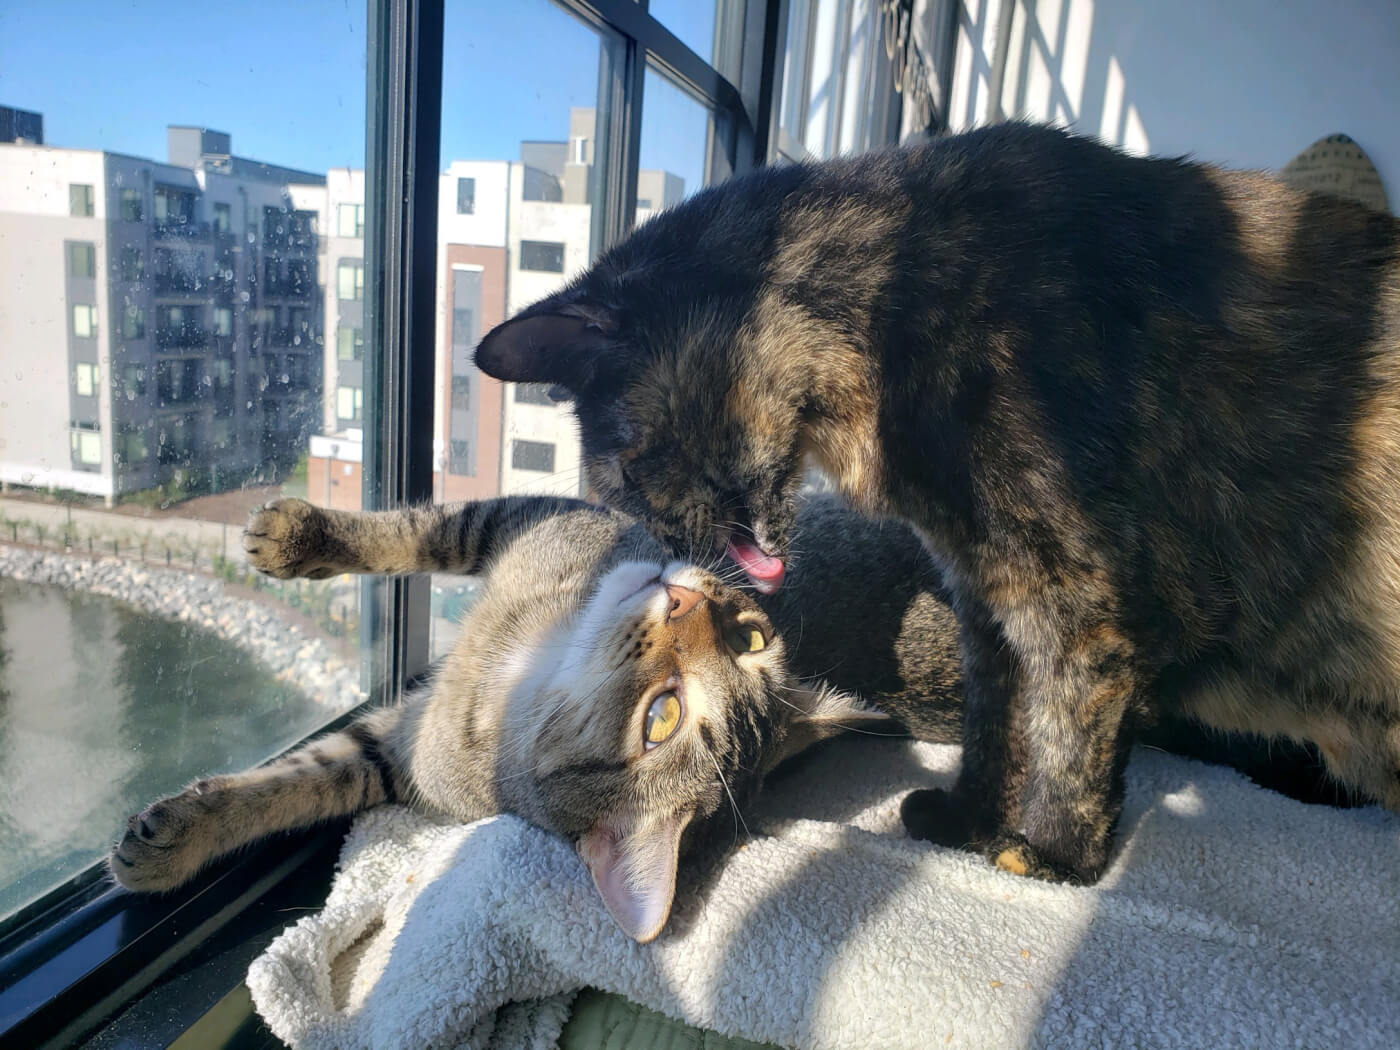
<point x="1145" y="412"/>
<point x="539" y="709"/>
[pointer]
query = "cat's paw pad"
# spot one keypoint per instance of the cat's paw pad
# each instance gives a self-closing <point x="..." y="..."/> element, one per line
<point x="284" y="539"/>
<point x="1012" y="853"/>
<point x="162" y="846"/>
<point x="938" y="816"/>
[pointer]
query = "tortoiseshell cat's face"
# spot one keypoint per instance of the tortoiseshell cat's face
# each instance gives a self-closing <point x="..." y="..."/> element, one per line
<point x="712" y="463"/>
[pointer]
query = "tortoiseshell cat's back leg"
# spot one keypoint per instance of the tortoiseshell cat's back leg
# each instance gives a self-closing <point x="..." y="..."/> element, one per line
<point x="290" y="537"/>
<point x="341" y="773"/>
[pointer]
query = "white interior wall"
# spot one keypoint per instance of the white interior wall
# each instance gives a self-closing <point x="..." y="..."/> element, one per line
<point x="1247" y="83"/>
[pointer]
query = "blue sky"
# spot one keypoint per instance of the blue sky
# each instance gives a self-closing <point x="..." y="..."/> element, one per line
<point x="287" y="79"/>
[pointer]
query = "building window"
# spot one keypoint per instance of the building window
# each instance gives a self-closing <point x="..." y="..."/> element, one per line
<point x="533" y="394"/>
<point x="132" y="209"/>
<point x="133" y="322"/>
<point x="174" y="207"/>
<point x="644" y="202"/>
<point x="133" y="267"/>
<point x="82" y="259"/>
<point x="80" y="200"/>
<point x="466" y="196"/>
<point x="87" y="447"/>
<point x="350" y="281"/>
<point x="532" y="455"/>
<point x="223" y="320"/>
<point x="460" y="458"/>
<point x="132" y="444"/>
<point x="349" y="343"/>
<point x="133" y="382"/>
<point x="462" y="333"/>
<point x="542" y="256"/>
<point x="85" y="380"/>
<point x="461" y="393"/>
<point x="85" y="321"/>
<point x="350" y="220"/>
<point x="223" y="218"/>
<point x="349" y="403"/>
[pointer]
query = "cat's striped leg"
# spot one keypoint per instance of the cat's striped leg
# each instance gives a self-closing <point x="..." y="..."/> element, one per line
<point x="290" y="537"/>
<point x="341" y="773"/>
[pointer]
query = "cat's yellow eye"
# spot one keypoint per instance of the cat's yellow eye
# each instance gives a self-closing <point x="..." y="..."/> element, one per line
<point x="745" y="638"/>
<point x="663" y="719"/>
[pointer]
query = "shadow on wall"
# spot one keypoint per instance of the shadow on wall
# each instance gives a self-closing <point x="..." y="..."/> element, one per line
<point x="1042" y="62"/>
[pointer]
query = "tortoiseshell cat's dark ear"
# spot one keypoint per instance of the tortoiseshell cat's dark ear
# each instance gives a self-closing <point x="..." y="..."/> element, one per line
<point x="560" y="347"/>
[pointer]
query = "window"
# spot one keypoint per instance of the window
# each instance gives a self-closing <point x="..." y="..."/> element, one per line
<point x="542" y="256"/>
<point x="349" y="402"/>
<point x="131" y="205"/>
<point x="82" y="259"/>
<point x="349" y="343"/>
<point x="131" y="444"/>
<point x="132" y="265"/>
<point x="133" y="382"/>
<point x="125" y="740"/>
<point x="79" y="200"/>
<point x="133" y="322"/>
<point x="466" y="196"/>
<point x="87" y="447"/>
<point x="532" y="455"/>
<point x="461" y="393"/>
<point x="174" y="207"/>
<point x="533" y="394"/>
<point x="460" y="460"/>
<point x="85" y="380"/>
<point x="350" y="281"/>
<point x="85" y="321"/>
<point x="223" y="320"/>
<point x="350" y="220"/>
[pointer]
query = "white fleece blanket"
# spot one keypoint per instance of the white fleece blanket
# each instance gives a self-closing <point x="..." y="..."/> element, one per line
<point x="1232" y="917"/>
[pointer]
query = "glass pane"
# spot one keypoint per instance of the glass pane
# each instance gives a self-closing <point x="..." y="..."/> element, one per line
<point x="675" y="136"/>
<point x="516" y="198"/>
<point x="156" y="383"/>
<point x="693" y="21"/>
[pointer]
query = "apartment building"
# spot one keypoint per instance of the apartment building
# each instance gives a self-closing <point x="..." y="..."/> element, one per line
<point x="161" y="320"/>
<point x="509" y="233"/>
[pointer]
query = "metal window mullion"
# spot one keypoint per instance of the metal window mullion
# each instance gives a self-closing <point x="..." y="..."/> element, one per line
<point x="404" y="111"/>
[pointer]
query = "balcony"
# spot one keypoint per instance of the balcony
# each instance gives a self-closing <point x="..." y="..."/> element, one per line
<point x="182" y="335"/>
<point x="288" y="288"/>
<point x="289" y="242"/>
<point x="186" y="231"/>
<point x="181" y="284"/>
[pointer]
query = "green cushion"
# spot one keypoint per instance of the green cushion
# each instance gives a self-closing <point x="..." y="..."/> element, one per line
<point x="603" y="1021"/>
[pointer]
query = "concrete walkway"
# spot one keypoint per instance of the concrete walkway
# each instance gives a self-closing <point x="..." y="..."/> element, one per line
<point x="186" y="539"/>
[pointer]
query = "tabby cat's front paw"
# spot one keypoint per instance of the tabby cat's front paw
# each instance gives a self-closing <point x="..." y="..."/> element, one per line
<point x="286" y="538"/>
<point x="1010" y="851"/>
<point x="165" y="844"/>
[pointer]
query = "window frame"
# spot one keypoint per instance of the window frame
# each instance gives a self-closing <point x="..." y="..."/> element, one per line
<point x="75" y="958"/>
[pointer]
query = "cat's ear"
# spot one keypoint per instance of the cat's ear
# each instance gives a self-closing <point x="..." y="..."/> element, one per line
<point x="634" y="867"/>
<point x="561" y="347"/>
<point x="825" y="712"/>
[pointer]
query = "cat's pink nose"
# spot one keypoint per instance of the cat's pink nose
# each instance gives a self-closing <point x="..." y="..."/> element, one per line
<point x="683" y="599"/>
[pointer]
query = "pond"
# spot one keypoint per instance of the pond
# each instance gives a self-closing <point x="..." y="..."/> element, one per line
<point x="104" y="708"/>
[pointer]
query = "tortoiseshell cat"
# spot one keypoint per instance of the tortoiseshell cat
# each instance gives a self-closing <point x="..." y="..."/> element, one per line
<point x="1144" y="412"/>
<point x="598" y="688"/>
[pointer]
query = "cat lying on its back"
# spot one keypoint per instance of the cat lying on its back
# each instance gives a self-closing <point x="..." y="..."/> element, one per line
<point x="1145" y="413"/>
<point x="598" y="687"/>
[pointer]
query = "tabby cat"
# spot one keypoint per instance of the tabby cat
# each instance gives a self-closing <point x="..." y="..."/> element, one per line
<point x="1144" y="412"/>
<point x="598" y="688"/>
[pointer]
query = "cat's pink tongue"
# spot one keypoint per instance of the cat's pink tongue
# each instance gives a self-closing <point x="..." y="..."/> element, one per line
<point x="766" y="573"/>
